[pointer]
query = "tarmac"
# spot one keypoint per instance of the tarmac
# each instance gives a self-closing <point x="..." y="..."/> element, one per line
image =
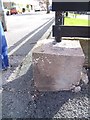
<point x="20" y="98"/>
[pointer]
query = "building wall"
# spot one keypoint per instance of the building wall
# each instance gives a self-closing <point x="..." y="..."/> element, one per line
<point x="8" y="4"/>
<point x="42" y="4"/>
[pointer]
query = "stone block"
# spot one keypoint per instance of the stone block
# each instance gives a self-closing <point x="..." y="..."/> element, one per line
<point x="57" y="66"/>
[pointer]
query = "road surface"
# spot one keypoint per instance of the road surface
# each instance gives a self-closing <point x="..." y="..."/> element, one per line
<point x="24" y="30"/>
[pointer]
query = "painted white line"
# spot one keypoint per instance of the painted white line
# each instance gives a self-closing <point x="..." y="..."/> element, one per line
<point x="11" y="52"/>
<point x="27" y="61"/>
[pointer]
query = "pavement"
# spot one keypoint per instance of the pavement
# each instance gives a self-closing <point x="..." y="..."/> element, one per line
<point x="20" y="99"/>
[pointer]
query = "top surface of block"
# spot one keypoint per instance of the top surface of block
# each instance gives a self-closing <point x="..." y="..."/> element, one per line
<point x="66" y="47"/>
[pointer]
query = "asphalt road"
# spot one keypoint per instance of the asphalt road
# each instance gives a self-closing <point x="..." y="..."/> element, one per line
<point x="23" y="35"/>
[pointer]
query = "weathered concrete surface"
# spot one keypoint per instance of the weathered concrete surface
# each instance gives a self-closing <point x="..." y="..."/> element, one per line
<point x="57" y="66"/>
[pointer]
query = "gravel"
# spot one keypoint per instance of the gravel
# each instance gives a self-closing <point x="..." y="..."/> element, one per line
<point x="20" y="99"/>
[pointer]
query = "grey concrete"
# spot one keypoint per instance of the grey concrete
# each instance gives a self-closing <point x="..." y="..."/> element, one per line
<point x="57" y="66"/>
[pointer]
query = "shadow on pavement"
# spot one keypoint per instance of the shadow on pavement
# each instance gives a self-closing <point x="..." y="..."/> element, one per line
<point x="18" y="102"/>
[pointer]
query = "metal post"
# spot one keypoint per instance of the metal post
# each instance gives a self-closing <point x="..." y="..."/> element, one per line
<point x="47" y="6"/>
<point x="59" y="20"/>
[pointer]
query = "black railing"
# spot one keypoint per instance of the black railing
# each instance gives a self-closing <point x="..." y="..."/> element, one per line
<point x="59" y="29"/>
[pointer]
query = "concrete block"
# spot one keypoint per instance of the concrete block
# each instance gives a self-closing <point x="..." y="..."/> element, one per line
<point x="57" y="66"/>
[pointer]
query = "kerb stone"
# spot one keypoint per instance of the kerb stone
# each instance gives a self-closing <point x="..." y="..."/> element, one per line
<point x="57" y="66"/>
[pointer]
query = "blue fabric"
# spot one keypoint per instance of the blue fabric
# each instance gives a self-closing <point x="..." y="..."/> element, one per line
<point x="4" y="62"/>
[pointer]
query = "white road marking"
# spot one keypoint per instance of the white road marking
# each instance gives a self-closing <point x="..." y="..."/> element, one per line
<point x="27" y="61"/>
<point x="11" y="52"/>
